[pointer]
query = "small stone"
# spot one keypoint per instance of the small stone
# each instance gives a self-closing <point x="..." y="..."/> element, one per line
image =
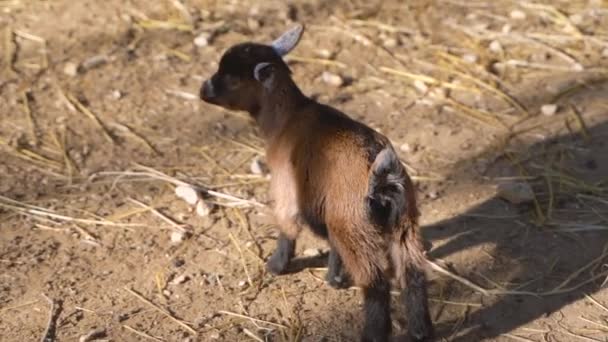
<point x="253" y="24"/>
<point x="506" y="28"/>
<point x="605" y="53"/>
<point x="496" y="47"/>
<point x="166" y="293"/>
<point x="548" y="109"/>
<point x="390" y="42"/>
<point x="202" y="39"/>
<point x="177" y="237"/>
<point x="242" y="283"/>
<point x="187" y="193"/>
<point x="203" y="208"/>
<point x="257" y="166"/>
<point x="94" y="62"/>
<point x="93" y="335"/>
<point x="516" y="192"/>
<point x="470" y="58"/>
<point x="116" y="94"/>
<point x="576" y="19"/>
<point x="70" y="69"/>
<point x="332" y="79"/>
<point x="324" y="53"/>
<point x="405" y="147"/>
<point x="180" y="280"/>
<point x="312" y="252"/>
<point x="215" y="335"/>
<point x="421" y="86"/>
<point x="517" y="15"/>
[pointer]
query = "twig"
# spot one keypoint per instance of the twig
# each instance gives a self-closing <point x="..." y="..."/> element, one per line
<point x="84" y="110"/>
<point x="223" y="312"/>
<point x="157" y="308"/>
<point x="18" y="306"/>
<point x="178" y="227"/>
<point x="142" y="334"/>
<point x="242" y="259"/>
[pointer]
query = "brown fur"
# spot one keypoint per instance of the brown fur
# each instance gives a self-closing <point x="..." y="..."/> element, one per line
<point x="335" y="176"/>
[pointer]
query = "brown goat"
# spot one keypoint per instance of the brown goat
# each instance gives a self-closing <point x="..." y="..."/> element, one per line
<point x="334" y="175"/>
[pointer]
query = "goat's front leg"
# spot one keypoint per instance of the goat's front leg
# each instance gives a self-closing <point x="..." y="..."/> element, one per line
<point x="286" y="243"/>
<point x="337" y="276"/>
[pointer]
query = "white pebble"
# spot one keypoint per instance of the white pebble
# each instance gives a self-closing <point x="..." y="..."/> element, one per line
<point x="390" y="42"/>
<point x="470" y="58"/>
<point x="506" y="29"/>
<point x="421" y="86"/>
<point x="496" y="47"/>
<point x="203" y="208"/>
<point x="518" y="15"/>
<point x="311" y="252"/>
<point x="605" y="53"/>
<point x="202" y="39"/>
<point x="257" y="166"/>
<point x="116" y="94"/>
<point x="187" y="193"/>
<point x="332" y="79"/>
<point x="405" y="147"/>
<point x="177" y="237"/>
<point x="253" y="24"/>
<point x="548" y="109"/>
<point x="179" y="280"/>
<point x="242" y="283"/>
<point x="324" y="53"/>
<point x="70" y="69"/>
<point x="94" y="62"/>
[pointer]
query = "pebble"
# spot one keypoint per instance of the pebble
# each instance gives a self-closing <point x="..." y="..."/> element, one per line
<point x="202" y="39"/>
<point x="421" y="86"/>
<point x="312" y="252"/>
<point x="332" y="79"/>
<point x="605" y="53"/>
<point x="187" y="193"/>
<point x="257" y="166"/>
<point x="549" y="109"/>
<point x="496" y="47"/>
<point x="242" y="283"/>
<point x="203" y="208"/>
<point x="390" y="42"/>
<point x="470" y="58"/>
<point x="324" y="53"/>
<point x="116" y="94"/>
<point x="516" y="192"/>
<point x="215" y="335"/>
<point x="94" y="62"/>
<point x="517" y="15"/>
<point x="180" y="280"/>
<point x="405" y="147"/>
<point x="177" y="237"/>
<point x="253" y="24"/>
<point x="70" y="69"/>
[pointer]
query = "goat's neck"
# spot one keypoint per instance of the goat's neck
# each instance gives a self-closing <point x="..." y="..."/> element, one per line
<point x="278" y="109"/>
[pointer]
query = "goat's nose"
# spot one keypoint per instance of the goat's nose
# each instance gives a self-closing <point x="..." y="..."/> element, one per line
<point x="207" y="90"/>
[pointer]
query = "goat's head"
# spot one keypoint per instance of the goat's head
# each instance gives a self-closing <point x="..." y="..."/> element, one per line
<point x="246" y="69"/>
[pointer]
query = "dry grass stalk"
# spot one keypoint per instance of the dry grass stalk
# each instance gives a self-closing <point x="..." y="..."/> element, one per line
<point x="15" y="307"/>
<point x="84" y="110"/>
<point x="243" y="262"/>
<point x="10" y="50"/>
<point x="51" y="325"/>
<point x="174" y="225"/>
<point x="163" y="312"/>
<point x="142" y="334"/>
<point x="224" y="312"/>
<point x="138" y="137"/>
<point x="320" y="61"/>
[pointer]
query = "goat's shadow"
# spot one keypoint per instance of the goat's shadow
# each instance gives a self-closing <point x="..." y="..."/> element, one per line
<point x="522" y="255"/>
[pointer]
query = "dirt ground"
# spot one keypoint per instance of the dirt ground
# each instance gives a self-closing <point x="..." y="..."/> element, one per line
<point x="99" y="117"/>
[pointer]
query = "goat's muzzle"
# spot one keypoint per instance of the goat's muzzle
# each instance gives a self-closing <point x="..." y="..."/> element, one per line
<point x="207" y="92"/>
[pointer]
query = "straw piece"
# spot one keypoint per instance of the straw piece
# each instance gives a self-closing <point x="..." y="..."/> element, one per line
<point x="84" y="110"/>
<point x="163" y="312"/>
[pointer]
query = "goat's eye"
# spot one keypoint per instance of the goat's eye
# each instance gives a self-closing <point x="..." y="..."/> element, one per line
<point x="232" y="82"/>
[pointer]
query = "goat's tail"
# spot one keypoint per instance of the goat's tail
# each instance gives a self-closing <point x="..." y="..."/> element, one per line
<point x="392" y="205"/>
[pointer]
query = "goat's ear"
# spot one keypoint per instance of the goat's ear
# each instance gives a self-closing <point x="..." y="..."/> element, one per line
<point x="263" y="73"/>
<point x="288" y="40"/>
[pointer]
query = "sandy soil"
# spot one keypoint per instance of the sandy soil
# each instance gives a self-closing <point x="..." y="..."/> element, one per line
<point x="95" y="93"/>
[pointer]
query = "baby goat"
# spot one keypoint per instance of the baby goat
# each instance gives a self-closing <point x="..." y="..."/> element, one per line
<point x="334" y="175"/>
